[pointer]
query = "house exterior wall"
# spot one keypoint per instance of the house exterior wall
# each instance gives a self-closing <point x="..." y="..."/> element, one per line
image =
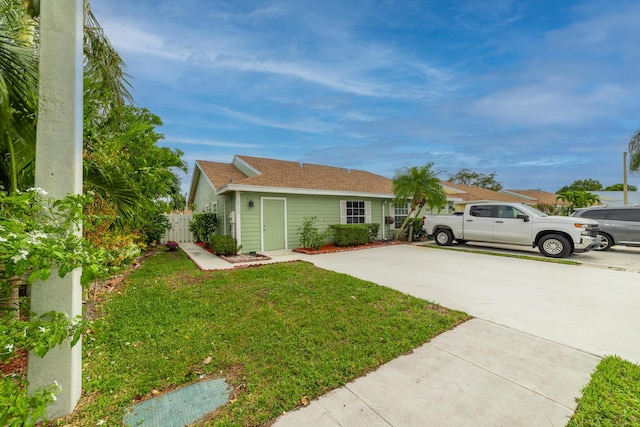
<point x="204" y="195"/>
<point x="298" y="206"/>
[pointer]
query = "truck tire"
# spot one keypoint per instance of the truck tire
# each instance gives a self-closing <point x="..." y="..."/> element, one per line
<point x="554" y="246"/>
<point x="443" y="237"/>
<point x="607" y="242"/>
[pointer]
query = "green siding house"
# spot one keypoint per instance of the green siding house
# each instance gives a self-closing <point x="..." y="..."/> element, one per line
<point x="262" y="202"/>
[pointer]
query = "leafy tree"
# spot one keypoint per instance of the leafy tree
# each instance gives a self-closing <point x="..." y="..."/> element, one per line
<point x="620" y="187"/>
<point x="419" y="185"/>
<point x="468" y="177"/>
<point x="634" y="152"/>
<point x="582" y="185"/>
<point x="577" y="199"/>
<point x="131" y="177"/>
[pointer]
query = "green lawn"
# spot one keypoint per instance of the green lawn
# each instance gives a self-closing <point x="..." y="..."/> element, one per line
<point x="278" y="333"/>
<point x="612" y="397"/>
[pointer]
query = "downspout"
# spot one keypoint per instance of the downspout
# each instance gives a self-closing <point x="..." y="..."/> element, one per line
<point x="238" y="216"/>
<point x="383" y="222"/>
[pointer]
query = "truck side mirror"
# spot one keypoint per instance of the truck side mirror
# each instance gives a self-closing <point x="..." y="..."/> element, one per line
<point x="525" y="218"/>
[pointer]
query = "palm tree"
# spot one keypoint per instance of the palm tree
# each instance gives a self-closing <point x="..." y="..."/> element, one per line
<point x="577" y="199"/>
<point x="18" y="94"/>
<point x="418" y="185"/>
<point x="634" y="152"/>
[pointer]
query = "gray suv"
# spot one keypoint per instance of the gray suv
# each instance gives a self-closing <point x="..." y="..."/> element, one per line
<point x="619" y="225"/>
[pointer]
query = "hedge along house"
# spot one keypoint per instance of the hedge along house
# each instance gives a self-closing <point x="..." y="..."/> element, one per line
<point x="262" y="202"/>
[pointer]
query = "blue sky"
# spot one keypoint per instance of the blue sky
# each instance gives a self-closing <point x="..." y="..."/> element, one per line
<point x="541" y="92"/>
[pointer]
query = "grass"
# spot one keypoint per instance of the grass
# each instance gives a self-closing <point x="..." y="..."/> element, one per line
<point x="612" y="397"/>
<point x="507" y="255"/>
<point x="279" y="333"/>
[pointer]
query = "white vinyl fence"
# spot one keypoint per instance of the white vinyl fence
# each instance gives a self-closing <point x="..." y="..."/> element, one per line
<point x="179" y="231"/>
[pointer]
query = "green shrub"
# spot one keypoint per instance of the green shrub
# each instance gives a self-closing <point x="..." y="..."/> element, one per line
<point x="353" y="234"/>
<point x="156" y="227"/>
<point x="310" y="236"/>
<point x="224" y="245"/>
<point x="202" y="225"/>
<point x="373" y="231"/>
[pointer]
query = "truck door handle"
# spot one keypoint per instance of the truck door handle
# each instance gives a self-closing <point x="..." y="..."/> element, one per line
<point x="469" y="220"/>
<point x="499" y="222"/>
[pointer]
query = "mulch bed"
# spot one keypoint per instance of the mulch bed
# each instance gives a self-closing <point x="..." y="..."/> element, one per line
<point x="331" y="248"/>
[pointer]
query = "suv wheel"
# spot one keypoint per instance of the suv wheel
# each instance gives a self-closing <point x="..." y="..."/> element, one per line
<point x="607" y="242"/>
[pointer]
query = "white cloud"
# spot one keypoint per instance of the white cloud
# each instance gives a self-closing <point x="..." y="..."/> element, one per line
<point x="170" y="140"/>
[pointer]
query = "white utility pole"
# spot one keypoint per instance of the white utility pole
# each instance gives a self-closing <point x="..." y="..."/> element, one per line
<point x="624" y="178"/>
<point x="59" y="172"/>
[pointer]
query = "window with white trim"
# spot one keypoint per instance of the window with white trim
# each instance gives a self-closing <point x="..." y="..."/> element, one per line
<point x="355" y="212"/>
<point x="400" y="214"/>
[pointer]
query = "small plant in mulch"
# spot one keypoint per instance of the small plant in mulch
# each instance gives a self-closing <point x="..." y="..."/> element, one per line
<point x="172" y="246"/>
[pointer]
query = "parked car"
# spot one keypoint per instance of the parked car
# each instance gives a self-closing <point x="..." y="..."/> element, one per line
<point x="619" y="225"/>
<point x="515" y="224"/>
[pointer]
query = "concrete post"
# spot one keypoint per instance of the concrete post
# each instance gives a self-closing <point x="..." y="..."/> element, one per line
<point x="59" y="172"/>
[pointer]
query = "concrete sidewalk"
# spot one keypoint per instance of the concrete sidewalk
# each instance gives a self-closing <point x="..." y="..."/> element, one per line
<point x="480" y="373"/>
<point x="206" y="261"/>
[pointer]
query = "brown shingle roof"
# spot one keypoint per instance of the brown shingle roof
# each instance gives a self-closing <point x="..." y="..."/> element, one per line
<point x="220" y="174"/>
<point x="469" y="193"/>
<point x="539" y="196"/>
<point x="287" y="174"/>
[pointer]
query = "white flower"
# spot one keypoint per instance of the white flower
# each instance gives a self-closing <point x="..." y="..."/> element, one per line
<point x="22" y="254"/>
<point x="2" y="239"/>
<point x="57" y="385"/>
<point x="38" y="190"/>
<point x="53" y="397"/>
<point x="42" y="329"/>
<point x="9" y="348"/>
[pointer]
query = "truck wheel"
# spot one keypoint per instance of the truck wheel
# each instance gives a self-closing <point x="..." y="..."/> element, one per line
<point x="444" y="237"/>
<point x="607" y="242"/>
<point x="554" y="246"/>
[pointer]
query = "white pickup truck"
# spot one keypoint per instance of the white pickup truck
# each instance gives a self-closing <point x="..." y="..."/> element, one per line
<point x="515" y="224"/>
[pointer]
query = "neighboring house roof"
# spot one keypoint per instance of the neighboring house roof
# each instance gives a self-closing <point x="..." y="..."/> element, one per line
<point x="247" y="173"/>
<point x="468" y="193"/>
<point x="616" y="198"/>
<point x="536" y="196"/>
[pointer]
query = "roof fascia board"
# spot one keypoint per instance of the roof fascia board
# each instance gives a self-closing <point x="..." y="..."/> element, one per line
<point x="261" y="189"/>
<point x="452" y="189"/>
<point x="237" y="160"/>
<point x="197" y="171"/>
<point x="514" y="194"/>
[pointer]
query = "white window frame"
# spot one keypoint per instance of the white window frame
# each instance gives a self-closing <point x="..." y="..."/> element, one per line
<point x="343" y="212"/>
<point x="396" y="214"/>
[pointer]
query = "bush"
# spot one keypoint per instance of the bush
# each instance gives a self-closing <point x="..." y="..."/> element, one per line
<point x="156" y="227"/>
<point x="310" y="236"/>
<point x="203" y="225"/>
<point x="353" y="234"/>
<point x="373" y="231"/>
<point x="224" y="245"/>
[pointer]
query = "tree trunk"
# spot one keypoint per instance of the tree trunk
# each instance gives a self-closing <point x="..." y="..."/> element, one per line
<point x="12" y="303"/>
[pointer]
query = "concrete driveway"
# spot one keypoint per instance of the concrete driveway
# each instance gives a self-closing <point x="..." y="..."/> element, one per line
<point x="586" y="307"/>
<point x="618" y="257"/>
